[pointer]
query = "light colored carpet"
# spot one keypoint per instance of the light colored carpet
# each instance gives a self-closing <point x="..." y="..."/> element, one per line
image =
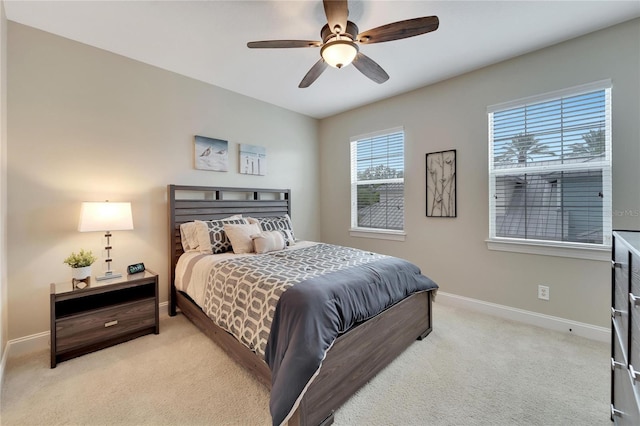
<point x="473" y="369"/>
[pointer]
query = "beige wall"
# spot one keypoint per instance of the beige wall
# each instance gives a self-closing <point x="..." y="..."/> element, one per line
<point x="88" y="125"/>
<point x="4" y="323"/>
<point x="84" y="124"/>
<point x="452" y="115"/>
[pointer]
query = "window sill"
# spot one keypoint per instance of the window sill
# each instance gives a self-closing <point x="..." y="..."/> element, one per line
<point x="378" y="234"/>
<point x="576" y="251"/>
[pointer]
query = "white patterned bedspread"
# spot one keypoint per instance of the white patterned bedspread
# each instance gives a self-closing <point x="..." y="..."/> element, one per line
<point x="240" y="292"/>
<point x="193" y="268"/>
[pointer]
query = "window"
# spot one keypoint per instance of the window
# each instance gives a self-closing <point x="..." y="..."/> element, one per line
<point x="377" y="182"/>
<point x="550" y="168"/>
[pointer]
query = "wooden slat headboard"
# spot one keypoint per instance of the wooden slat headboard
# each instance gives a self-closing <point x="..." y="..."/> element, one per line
<point x="189" y="203"/>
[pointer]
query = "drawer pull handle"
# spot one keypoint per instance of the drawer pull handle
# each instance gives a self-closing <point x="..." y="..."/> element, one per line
<point x="615" y="312"/>
<point x="615" y="412"/>
<point x="634" y="373"/>
<point x="615" y="264"/>
<point x="111" y="323"/>
<point x="635" y="300"/>
<point x="615" y="364"/>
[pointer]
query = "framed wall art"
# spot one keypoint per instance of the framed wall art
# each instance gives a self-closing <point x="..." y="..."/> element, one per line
<point x="211" y="154"/>
<point x="253" y="160"/>
<point x="441" y="184"/>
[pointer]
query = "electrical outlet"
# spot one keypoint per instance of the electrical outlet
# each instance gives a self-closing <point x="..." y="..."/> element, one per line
<point x="543" y="292"/>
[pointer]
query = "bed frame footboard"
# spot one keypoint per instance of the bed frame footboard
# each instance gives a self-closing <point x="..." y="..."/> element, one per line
<point x="355" y="358"/>
<point x="361" y="353"/>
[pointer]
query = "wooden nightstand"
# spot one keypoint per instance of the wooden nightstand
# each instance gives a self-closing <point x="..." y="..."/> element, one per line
<point x="103" y="314"/>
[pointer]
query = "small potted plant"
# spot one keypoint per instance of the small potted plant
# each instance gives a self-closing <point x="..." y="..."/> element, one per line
<point x="80" y="264"/>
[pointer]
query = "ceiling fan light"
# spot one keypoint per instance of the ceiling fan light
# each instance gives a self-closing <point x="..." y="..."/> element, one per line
<point x="339" y="53"/>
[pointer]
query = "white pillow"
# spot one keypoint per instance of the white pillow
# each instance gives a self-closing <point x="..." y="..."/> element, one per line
<point x="265" y="242"/>
<point x="211" y="236"/>
<point x="188" y="236"/>
<point x="240" y="236"/>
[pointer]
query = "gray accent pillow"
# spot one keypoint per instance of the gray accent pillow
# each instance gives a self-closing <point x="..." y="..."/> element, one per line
<point x="211" y="235"/>
<point x="277" y="223"/>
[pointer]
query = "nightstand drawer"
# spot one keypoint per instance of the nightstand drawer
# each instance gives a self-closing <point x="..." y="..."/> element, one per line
<point x="92" y="327"/>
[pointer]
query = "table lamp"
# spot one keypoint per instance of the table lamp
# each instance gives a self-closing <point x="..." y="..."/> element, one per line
<point x="107" y="217"/>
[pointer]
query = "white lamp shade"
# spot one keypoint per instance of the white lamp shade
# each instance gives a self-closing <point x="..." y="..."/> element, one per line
<point x="339" y="53"/>
<point x="105" y="216"/>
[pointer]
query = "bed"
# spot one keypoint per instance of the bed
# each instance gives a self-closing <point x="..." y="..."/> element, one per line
<point x="353" y="358"/>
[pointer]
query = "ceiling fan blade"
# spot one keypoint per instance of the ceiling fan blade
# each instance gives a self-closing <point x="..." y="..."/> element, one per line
<point x="313" y="73"/>
<point x="370" y="68"/>
<point x="399" y="30"/>
<point x="276" y="44"/>
<point x="337" y="12"/>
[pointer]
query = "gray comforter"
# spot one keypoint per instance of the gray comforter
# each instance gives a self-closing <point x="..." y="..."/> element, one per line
<point x="311" y="314"/>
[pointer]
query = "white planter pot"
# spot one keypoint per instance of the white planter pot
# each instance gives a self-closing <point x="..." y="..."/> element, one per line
<point x="81" y="273"/>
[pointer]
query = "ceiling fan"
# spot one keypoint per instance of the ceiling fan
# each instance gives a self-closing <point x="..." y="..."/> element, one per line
<point x="340" y="39"/>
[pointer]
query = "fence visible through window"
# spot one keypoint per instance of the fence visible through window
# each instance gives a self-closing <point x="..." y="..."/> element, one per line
<point x="377" y="181"/>
<point x="550" y="168"/>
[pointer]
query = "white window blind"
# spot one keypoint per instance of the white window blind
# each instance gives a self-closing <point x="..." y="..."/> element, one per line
<point x="550" y="167"/>
<point x="377" y="181"/>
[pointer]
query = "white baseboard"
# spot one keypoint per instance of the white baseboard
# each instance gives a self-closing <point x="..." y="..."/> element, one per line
<point x="3" y="364"/>
<point x="528" y="317"/>
<point x="25" y="345"/>
<point x="41" y="341"/>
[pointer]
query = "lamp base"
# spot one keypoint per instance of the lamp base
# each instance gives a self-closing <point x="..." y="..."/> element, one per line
<point x="109" y="275"/>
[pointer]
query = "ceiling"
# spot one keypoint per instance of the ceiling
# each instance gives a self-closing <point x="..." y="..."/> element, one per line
<point x="206" y="40"/>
